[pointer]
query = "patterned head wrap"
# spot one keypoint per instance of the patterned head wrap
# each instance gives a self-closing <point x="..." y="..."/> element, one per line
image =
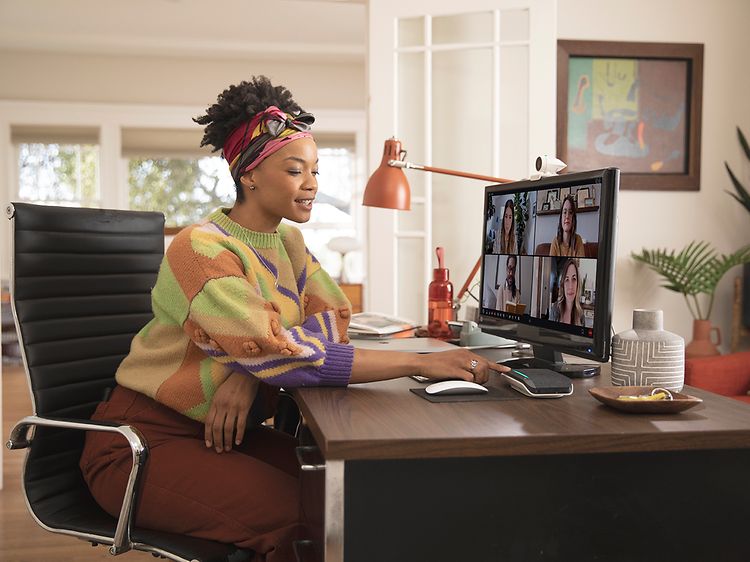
<point x="253" y="141"/>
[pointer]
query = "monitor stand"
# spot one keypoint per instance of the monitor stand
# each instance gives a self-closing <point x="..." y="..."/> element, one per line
<point x="547" y="358"/>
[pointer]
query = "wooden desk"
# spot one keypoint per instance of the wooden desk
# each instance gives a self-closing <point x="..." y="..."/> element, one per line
<point x="527" y="480"/>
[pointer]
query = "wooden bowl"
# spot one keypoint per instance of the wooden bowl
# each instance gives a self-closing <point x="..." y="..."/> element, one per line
<point x="608" y="395"/>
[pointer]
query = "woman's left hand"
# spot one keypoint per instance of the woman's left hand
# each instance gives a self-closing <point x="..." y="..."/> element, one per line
<point x="227" y="416"/>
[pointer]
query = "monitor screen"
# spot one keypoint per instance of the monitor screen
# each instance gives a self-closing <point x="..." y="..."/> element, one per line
<point x="548" y="262"/>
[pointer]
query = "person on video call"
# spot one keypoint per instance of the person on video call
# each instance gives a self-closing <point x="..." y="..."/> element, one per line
<point x="241" y="308"/>
<point x="568" y="309"/>
<point x="505" y="239"/>
<point x="567" y="242"/>
<point x="509" y="292"/>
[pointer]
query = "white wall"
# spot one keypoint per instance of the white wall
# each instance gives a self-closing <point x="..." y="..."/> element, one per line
<point x="673" y="219"/>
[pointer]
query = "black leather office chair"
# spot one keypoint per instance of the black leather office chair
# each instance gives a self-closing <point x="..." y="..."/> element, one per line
<point x="81" y="289"/>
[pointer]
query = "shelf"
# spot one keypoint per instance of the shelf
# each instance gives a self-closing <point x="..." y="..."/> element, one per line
<point x="578" y="210"/>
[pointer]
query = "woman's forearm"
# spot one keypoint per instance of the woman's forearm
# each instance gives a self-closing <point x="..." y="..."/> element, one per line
<point x="374" y="365"/>
<point x="371" y="365"/>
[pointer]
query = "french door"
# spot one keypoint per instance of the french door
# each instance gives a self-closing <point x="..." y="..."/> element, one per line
<point x="468" y="86"/>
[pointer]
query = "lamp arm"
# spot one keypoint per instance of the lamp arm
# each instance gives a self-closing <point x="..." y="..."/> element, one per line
<point x="410" y="166"/>
<point x="469" y="279"/>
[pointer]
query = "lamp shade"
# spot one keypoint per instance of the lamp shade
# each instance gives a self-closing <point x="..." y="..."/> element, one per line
<point x="387" y="186"/>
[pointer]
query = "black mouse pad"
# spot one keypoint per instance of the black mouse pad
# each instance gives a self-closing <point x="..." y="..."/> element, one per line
<point x="493" y="393"/>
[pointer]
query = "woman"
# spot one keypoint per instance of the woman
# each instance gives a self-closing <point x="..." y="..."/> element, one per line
<point x="241" y="308"/>
<point x="568" y="309"/>
<point x="567" y="242"/>
<point x="505" y="239"/>
<point x="508" y="292"/>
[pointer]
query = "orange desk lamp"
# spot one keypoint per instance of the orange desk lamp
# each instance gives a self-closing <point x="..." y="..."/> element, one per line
<point x="388" y="188"/>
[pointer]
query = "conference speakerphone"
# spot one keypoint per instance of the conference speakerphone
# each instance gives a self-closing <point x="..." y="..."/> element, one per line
<point x="539" y="383"/>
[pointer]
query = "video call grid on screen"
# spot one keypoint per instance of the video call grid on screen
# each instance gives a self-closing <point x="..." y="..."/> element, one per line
<point x="528" y="274"/>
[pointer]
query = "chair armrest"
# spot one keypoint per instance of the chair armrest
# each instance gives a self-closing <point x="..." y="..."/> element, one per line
<point x="138" y="446"/>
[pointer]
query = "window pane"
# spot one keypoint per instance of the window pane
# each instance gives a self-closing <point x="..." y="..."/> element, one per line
<point x="462" y="28"/>
<point x="515" y="161"/>
<point x="333" y="212"/>
<point x="66" y="174"/>
<point x="411" y="115"/>
<point x="336" y="189"/>
<point x="514" y="25"/>
<point x="412" y="297"/>
<point x="410" y="32"/>
<point x="317" y="242"/>
<point x="184" y="189"/>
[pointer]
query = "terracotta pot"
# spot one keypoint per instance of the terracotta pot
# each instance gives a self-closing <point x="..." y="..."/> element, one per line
<point x="702" y="345"/>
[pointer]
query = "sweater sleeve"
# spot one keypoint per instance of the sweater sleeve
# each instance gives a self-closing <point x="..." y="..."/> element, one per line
<point x="231" y="322"/>
<point x="327" y="310"/>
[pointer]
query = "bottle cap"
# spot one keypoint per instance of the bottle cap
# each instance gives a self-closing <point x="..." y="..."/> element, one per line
<point x="440" y="274"/>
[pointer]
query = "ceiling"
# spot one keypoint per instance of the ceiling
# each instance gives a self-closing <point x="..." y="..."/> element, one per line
<point x="270" y="29"/>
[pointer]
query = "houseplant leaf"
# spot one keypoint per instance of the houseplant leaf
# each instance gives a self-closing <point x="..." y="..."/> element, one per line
<point x="695" y="270"/>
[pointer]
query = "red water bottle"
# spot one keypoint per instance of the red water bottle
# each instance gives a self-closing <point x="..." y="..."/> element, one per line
<point x="440" y="301"/>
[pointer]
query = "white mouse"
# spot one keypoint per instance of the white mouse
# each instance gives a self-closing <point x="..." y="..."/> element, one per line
<point x="455" y="387"/>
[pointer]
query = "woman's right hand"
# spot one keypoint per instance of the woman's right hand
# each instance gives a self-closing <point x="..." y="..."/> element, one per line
<point x="458" y="364"/>
<point x="227" y="416"/>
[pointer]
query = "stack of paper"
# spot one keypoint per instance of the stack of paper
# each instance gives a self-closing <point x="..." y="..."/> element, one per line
<point x="375" y="325"/>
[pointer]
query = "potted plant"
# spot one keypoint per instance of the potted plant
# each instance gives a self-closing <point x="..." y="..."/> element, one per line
<point x="743" y="197"/>
<point x="695" y="272"/>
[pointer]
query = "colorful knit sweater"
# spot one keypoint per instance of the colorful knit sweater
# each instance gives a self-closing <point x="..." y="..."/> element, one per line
<point x="230" y="299"/>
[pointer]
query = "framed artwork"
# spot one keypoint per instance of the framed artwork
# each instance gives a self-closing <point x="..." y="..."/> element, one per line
<point x="564" y="192"/>
<point x="545" y="206"/>
<point x="582" y="194"/>
<point x="552" y="196"/>
<point x="634" y="106"/>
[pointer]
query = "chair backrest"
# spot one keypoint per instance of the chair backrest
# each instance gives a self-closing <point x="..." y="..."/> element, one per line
<point x="81" y="289"/>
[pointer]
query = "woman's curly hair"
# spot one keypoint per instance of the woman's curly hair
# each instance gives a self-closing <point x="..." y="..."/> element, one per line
<point x="240" y="103"/>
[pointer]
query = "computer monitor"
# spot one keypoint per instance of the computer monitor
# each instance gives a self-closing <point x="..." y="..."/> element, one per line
<point x="548" y="266"/>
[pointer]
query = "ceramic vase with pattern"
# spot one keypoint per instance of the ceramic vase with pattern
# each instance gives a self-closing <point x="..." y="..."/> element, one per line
<point x="648" y="355"/>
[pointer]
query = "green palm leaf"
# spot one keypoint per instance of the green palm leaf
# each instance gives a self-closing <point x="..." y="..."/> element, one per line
<point x="743" y="143"/>
<point x="742" y="195"/>
<point x="695" y="270"/>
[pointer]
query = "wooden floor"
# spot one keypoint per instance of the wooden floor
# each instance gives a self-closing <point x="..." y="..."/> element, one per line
<point x="21" y="539"/>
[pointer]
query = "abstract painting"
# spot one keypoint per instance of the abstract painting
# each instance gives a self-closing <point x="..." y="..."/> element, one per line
<point x="634" y="106"/>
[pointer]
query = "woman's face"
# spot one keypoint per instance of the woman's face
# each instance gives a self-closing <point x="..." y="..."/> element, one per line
<point x="508" y="220"/>
<point x="570" y="284"/>
<point x="286" y="182"/>
<point x="566" y="216"/>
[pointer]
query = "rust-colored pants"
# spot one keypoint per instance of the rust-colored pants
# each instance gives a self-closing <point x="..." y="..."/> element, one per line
<point x="249" y="496"/>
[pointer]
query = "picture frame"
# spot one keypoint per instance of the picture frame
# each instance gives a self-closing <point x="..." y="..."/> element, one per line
<point x="582" y="194"/>
<point x="647" y="116"/>
<point x="552" y="196"/>
<point x="564" y="192"/>
<point x="589" y="202"/>
<point x="545" y="206"/>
